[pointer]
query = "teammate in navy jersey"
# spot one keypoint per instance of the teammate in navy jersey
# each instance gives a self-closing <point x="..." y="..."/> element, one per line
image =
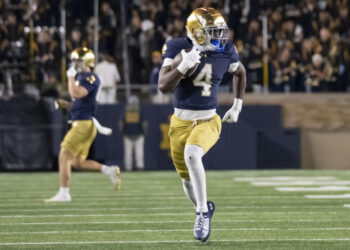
<point x="83" y="85"/>
<point x="195" y="127"/>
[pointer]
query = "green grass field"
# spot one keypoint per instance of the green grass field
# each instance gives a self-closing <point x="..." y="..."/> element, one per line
<point x="151" y="212"/>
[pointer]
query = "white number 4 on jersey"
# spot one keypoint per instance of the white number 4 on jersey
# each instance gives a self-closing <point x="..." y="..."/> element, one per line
<point x="203" y="79"/>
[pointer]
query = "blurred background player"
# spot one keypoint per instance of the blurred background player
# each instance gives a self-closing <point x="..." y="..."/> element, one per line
<point x="133" y="128"/>
<point x="195" y="127"/>
<point x="83" y="85"/>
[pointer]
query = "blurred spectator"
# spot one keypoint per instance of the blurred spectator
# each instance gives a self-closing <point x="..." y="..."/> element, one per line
<point x="157" y="64"/>
<point x="285" y="72"/>
<point x="108" y="24"/>
<point x="136" y="63"/>
<point x="316" y="76"/>
<point x="11" y="46"/>
<point x="47" y="54"/>
<point x="42" y="15"/>
<point x="75" y="40"/>
<point x="109" y="76"/>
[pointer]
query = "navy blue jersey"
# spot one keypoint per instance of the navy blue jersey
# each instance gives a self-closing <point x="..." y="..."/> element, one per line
<point x="200" y="90"/>
<point x="84" y="108"/>
<point x="132" y="123"/>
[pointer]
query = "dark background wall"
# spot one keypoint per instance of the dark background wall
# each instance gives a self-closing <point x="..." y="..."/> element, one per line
<point x="257" y="141"/>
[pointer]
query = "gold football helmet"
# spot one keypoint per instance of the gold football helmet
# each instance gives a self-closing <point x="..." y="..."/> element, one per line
<point x="82" y="58"/>
<point x="207" y="27"/>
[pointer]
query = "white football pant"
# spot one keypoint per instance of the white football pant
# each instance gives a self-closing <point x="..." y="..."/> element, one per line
<point x="131" y="146"/>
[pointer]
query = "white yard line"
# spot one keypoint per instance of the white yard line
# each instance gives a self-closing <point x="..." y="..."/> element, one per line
<point x="152" y="208"/>
<point x="301" y="183"/>
<point x="347" y="205"/>
<point x="324" y="188"/>
<point x="163" y="241"/>
<point x="286" y="178"/>
<point x="176" y="230"/>
<point x="35" y="200"/>
<point x="155" y="222"/>
<point x="154" y="214"/>
<point x="330" y="196"/>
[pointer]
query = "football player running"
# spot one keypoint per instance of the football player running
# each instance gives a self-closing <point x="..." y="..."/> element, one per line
<point x="195" y="127"/>
<point x="83" y="85"/>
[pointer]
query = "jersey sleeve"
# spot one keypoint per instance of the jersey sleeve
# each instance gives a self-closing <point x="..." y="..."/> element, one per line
<point x="234" y="59"/>
<point x="88" y="82"/>
<point x="172" y="48"/>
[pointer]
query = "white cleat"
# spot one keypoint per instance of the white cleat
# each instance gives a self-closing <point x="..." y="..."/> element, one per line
<point x="115" y="177"/>
<point x="60" y="197"/>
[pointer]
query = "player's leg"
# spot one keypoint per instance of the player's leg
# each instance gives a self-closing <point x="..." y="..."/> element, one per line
<point x="178" y="134"/>
<point x="113" y="172"/>
<point x="127" y="153"/>
<point x="188" y="189"/>
<point x="64" y="162"/>
<point x="202" y="138"/>
<point x="139" y="153"/>
<point x="193" y="158"/>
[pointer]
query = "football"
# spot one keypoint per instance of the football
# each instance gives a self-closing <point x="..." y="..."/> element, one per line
<point x="177" y="61"/>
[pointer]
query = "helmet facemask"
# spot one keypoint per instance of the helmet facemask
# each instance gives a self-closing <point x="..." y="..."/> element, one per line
<point x="216" y="37"/>
<point x="79" y="65"/>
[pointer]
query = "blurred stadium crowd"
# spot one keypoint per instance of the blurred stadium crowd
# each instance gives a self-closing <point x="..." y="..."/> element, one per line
<point x="308" y="40"/>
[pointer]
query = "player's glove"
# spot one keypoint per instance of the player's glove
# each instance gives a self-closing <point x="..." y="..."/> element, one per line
<point x="71" y="72"/>
<point x="189" y="60"/>
<point x="232" y="114"/>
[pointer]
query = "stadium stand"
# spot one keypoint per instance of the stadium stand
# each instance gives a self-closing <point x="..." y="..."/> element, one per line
<point x="308" y="41"/>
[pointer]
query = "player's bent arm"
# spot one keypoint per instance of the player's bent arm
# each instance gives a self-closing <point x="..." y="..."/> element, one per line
<point x="168" y="79"/>
<point x="76" y="91"/>
<point x="239" y="81"/>
<point x="239" y="85"/>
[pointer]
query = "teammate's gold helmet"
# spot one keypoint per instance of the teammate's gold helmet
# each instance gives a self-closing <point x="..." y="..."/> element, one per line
<point x="207" y="27"/>
<point x="83" y="55"/>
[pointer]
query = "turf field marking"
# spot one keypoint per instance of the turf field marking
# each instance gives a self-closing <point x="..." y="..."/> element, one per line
<point x="16" y="200"/>
<point x="347" y="205"/>
<point x="331" y="196"/>
<point x="152" y="208"/>
<point x="286" y="178"/>
<point x="324" y="188"/>
<point x="301" y="183"/>
<point x="154" y="222"/>
<point x="161" y="241"/>
<point x="175" y="230"/>
<point x="153" y="214"/>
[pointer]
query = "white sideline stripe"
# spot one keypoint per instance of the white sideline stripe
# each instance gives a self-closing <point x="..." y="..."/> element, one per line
<point x="331" y="196"/>
<point x="286" y="178"/>
<point x="154" y="214"/>
<point x="301" y="183"/>
<point x="347" y="205"/>
<point x="153" y="222"/>
<point x="159" y="241"/>
<point x="324" y="188"/>
<point x="177" y="230"/>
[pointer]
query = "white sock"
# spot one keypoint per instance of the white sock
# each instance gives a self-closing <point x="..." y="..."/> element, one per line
<point x="193" y="159"/>
<point x="64" y="190"/>
<point x="105" y="169"/>
<point x="187" y="186"/>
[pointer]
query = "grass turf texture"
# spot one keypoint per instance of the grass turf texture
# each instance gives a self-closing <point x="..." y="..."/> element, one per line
<point x="151" y="212"/>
